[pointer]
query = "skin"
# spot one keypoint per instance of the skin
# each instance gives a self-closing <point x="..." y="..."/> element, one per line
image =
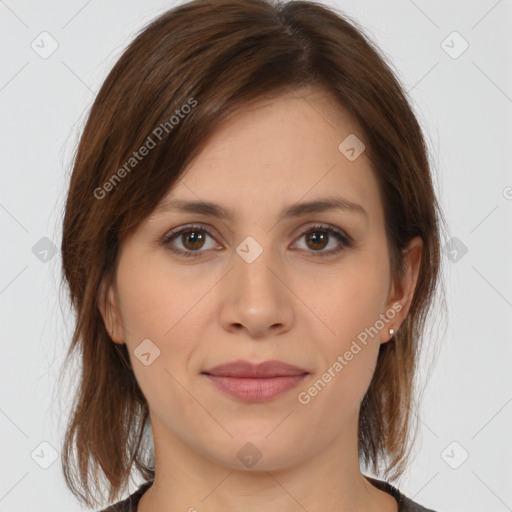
<point x="287" y="305"/>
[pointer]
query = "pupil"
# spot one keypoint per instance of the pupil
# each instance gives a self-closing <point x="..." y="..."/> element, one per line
<point x="318" y="238"/>
<point x="196" y="244"/>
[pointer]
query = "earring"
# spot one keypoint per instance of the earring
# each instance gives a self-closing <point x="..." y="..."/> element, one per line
<point x="391" y="332"/>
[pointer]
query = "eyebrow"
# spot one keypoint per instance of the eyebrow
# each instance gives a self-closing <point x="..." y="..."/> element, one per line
<point x="295" y="210"/>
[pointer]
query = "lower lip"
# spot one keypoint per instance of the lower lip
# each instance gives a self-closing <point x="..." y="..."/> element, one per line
<point x="256" y="390"/>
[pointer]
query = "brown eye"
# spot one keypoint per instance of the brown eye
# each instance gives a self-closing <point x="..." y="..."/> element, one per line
<point x="317" y="240"/>
<point x="319" y="237"/>
<point x="192" y="239"/>
<point x="189" y="241"/>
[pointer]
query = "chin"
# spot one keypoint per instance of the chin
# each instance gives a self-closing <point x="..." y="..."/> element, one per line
<point x="257" y="452"/>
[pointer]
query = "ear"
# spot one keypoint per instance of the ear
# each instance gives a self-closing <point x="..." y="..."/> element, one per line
<point x="402" y="292"/>
<point x="109" y="309"/>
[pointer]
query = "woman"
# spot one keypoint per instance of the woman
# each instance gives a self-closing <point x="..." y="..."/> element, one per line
<point x="252" y="244"/>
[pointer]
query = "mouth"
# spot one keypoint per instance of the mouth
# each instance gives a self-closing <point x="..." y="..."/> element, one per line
<point x="246" y="369"/>
<point x="250" y="382"/>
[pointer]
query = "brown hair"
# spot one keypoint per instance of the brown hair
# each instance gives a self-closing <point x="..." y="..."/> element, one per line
<point x="181" y="77"/>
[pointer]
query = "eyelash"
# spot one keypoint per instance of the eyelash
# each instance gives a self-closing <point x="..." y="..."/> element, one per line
<point x="331" y="230"/>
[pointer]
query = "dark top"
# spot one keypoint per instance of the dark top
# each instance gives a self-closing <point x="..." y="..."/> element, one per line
<point x="404" y="504"/>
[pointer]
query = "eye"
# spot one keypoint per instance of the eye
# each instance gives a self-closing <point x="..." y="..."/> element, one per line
<point x="318" y="237"/>
<point x="192" y="239"/>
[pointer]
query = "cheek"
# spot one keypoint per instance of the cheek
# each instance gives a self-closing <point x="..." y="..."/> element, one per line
<point x="165" y="309"/>
<point x="158" y="307"/>
<point x="350" y="304"/>
<point x="350" y="299"/>
<point x="348" y="357"/>
<point x="154" y="302"/>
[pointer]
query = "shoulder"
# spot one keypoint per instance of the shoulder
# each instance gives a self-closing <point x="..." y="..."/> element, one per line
<point x="405" y="504"/>
<point x="129" y="504"/>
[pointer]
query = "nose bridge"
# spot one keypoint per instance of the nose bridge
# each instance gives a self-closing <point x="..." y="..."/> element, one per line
<point x="253" y="262"/>
<point x="256" y="299"/>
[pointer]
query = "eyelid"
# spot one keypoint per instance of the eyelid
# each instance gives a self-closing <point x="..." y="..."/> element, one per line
<point x="194" y="225"/>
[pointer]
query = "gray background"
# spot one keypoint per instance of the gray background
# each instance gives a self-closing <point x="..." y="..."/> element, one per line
<point x="464" y="103"/>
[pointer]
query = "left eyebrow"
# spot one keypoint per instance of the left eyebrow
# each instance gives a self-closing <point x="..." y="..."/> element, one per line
<point x="294" y="210"/>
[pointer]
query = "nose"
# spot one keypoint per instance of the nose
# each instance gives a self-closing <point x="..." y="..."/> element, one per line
<point x="257" y="298"/>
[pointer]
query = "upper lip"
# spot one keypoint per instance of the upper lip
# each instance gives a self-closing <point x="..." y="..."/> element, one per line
<point x="247" y="369"/>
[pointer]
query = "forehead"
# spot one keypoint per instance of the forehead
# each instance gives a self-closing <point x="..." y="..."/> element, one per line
<point x="278" y="150"/>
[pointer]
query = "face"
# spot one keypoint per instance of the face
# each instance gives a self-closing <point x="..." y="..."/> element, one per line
<point x="311" y="289"/>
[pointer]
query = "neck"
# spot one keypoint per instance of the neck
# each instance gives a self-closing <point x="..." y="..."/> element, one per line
<point x="330" y="479"/>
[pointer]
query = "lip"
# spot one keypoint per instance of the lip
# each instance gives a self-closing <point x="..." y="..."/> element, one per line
<point x="246" y="369"/>
<point x="255" y="382"/>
